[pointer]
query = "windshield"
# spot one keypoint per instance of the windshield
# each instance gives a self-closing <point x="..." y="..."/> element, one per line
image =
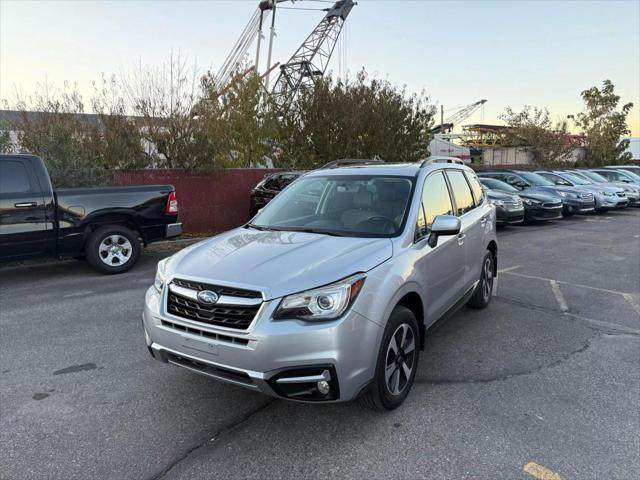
<point x="345" y="205"/>
<point x="575" y="179"/>
<point x="495" y="184"/>
<point x="632" y="175"/>
<point x="536" y="180"/>
<point x="593" y="176"/>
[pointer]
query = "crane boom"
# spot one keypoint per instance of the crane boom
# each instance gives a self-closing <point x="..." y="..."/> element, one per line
<point x="457" y="117"/>
<point x="311" y="59"/>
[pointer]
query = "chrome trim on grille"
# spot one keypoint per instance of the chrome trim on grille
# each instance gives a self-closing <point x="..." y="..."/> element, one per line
<point x="222" y="300"/>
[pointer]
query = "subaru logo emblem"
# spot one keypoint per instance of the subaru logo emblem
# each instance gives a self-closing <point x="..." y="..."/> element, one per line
<point x="207" y="297"/>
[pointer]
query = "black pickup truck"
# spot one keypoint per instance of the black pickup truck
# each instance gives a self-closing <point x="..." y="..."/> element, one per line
<point x="107" y="226"/>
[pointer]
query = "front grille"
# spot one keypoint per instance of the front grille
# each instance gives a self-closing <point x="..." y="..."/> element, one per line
<point x="204" y="333"/>
<point x="220" y="290"/>
<point x="551" y="205"/>
<point x="586" y="196"/>
<point x="229" y="314"/>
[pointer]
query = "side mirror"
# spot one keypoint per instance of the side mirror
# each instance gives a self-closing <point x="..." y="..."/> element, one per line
<point x="443" y="225"/>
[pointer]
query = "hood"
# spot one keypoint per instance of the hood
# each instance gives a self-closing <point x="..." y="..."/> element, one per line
<point x="542" y="197"/>
<point x="553" y="190"/>
<point x="498" y="195"/>
<point x="277" y="263"/>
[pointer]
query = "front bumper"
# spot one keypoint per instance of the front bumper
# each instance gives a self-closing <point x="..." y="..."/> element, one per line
<point x="507" y="216"/>
<point x="257" y="358"/>
<point x="540" y="212"/>
<point x="578" y="205"/>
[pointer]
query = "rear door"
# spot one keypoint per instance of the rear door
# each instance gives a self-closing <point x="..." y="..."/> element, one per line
<point x="473" y="218"/>
<point x="23" y="221"/>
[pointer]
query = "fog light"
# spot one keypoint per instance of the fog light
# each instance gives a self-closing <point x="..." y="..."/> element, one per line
<point x="323" y="387"/>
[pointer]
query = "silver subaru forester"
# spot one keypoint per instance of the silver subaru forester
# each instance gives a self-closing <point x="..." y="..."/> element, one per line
<point x="328" y="293"/>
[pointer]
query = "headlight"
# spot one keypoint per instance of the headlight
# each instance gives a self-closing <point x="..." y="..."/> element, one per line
<point x="324" y="303"/>
<point x="563" y="194"/>
<point x="161" y="275"/>
<point x="608" y="194"/>
<point x="498" y="203"/>
<point x="527" y="201"/>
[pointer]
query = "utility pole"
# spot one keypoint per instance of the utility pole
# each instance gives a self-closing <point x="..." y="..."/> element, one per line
<point x="441" y="118"/>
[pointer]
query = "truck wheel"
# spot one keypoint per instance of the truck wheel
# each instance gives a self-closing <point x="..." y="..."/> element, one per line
<point x="397" y="362"/>
<point x="482" y="294"/>
<point x="112" y="249"/>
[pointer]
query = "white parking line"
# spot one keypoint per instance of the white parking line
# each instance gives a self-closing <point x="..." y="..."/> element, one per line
<point x="495" y="287"/>
<point x="77" y="294"/>
<point x="562" y="303"/>
<point x="508" y="269"/>
<point x="534" y="277"/>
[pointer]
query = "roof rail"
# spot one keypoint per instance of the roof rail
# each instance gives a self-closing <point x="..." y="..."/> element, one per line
<point x="432" y="160"/>
<point x="349" y="162"/>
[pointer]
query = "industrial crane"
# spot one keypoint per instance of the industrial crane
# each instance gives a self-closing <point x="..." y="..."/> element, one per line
<point x="446" y="125"/>
<point x="306" y="65"/>
<point x="310" y="61"/>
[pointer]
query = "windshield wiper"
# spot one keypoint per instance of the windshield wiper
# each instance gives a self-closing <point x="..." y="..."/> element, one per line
<point x="259" y="227"/>
<point x="319" y="231"/>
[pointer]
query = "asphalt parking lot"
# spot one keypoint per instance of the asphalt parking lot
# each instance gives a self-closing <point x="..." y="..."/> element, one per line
<point x="545" y="381"/>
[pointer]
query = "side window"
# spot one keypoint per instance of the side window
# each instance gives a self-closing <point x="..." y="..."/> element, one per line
<point x="461" y="191"/>
<point x="435" y="201"/>
<point x="476" y="187"/>
<point x="14" y="177"/>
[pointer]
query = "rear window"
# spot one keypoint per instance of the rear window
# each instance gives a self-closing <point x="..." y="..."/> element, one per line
<point x="14" y="177"/>
<point x="461" y="191"/>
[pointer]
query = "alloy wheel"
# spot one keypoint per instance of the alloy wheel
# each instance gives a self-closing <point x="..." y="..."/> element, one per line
<point x="115" y="250"/>
<point x="487" y="279"/>
<point x="400" y="359"/>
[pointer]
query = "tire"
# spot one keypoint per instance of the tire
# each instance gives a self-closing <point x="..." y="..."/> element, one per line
<point x="124" y="255"/>
<point x="601" y="210"/>
<point x="484" y="290"/>
<point x="380" y="395"/>
<point x="567" y="212"/>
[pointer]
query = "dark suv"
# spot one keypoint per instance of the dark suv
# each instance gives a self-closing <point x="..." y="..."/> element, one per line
<point x="271" y="185"/>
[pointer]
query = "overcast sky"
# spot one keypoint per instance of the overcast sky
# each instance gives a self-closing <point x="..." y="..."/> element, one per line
<point x="541" y="53"/>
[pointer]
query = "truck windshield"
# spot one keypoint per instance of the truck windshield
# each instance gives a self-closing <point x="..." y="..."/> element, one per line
<point x="345" y="205"/>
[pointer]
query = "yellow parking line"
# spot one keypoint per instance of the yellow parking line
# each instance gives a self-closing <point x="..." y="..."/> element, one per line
<point x="540" y="472"/>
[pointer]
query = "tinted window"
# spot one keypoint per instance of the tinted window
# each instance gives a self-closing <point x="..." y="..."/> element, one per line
<point x="14" y="177"/>
<point x="435" y="201"/>
<point x="461" y="191"/>
<point x="476" y="188"/>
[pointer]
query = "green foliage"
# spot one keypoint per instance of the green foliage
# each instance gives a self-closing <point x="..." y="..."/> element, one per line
<point x="64" y="137"/>
<point x="604" y="124"/>
<point x="533" y="130"/>
<point x="360" y="119"/>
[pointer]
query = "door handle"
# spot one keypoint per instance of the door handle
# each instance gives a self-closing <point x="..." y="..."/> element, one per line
<point x="25" y="204"/>
<point x="483" y="221"/>
<point x="461" y="237"/>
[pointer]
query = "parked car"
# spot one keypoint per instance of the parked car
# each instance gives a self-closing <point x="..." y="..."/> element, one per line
<point x="573" y="200"/>
<point x="537" y="206"/>
<point x="635" y="169"/>
<point x="105" y="225"/>
<point x="606" y="197"/>
<point x="328" y="293"/>
<point x="621" y="176"/>
<point x="631" y="191"/>
<point x="509" y="207"/>
<point x="269" y="187"/>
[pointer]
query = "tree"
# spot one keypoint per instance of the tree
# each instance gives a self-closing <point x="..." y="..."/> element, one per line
<point x="360" y="119"/>
<point x="604" y="124"/>
<point x="532" y="130"/>
<point x="54" y="126"/>
<point x="6" y="145"/>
